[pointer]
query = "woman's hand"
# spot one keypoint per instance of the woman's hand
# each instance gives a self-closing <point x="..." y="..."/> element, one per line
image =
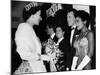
<point x="45" y="57"/>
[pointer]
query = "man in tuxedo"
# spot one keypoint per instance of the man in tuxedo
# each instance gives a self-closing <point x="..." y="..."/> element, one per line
<point x="72" y="31"/>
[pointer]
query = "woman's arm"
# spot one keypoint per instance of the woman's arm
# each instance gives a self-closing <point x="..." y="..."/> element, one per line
<point x="25" y="51"/>
<point x="90" y="38"/>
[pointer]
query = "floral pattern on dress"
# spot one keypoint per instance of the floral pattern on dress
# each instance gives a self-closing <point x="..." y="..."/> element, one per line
<point x="24" y="68"/>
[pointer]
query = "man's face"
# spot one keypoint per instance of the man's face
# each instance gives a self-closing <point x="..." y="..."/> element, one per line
<point x="59" y="32"/>
<point x="50" y="31"/>
<point x="70" y="18"/>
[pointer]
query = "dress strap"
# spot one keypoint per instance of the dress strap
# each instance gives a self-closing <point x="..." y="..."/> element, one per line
<point x="82" y="35"/>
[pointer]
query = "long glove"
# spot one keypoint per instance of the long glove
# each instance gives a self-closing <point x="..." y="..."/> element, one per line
<point x="84" y="62"/>
<point x="74" y="63"/>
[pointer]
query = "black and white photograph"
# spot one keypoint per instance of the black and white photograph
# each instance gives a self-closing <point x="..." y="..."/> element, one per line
<point x="49" y="37"/>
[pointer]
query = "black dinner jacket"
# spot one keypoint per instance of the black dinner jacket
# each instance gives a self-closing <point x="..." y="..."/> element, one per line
<point x="76" y="32"/>
<point x="64" y="47"/>
<point x="71" y="47"/>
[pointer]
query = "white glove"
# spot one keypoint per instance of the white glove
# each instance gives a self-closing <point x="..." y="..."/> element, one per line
<point x="84" y="62"/>
<point x="74" y="63"/>
<point x="45" y="57"/>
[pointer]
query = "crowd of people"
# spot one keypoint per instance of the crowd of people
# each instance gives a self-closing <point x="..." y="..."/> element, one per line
<point x="70" y="44"/>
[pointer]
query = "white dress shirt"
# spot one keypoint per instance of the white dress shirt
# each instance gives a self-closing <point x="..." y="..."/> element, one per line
<point x="72" y="34"/>
<point x="53" y="35"/>
<point x="59" y="40"/>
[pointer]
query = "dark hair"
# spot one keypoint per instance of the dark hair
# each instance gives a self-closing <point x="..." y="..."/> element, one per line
<point x="61" y="26"/>
<point x="50" y="22"/>
<point x="84" y="16"/>
<point x="60" y="13"/>
<point x="28" y="12"/>
<point x="60" y="18"/>
<point x="72" y="10"/>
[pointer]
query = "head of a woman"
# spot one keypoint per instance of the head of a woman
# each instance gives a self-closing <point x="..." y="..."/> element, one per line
<point x="59" y="31"/>
<point x="32" y="15"/>
<point x="82" y="19"/>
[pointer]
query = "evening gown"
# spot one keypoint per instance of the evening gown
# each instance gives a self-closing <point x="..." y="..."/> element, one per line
<point x="29" y="49"/>
<point x="81" y="46"/>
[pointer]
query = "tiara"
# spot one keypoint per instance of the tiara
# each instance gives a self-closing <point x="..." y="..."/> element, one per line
<point x="32" y="4"/>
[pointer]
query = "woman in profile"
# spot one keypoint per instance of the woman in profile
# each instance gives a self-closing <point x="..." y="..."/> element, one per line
<point x="84" y="43"/>
<point x="28" y="44"/>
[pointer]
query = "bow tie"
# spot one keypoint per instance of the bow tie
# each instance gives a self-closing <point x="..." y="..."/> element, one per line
<point x="72" y="28"/>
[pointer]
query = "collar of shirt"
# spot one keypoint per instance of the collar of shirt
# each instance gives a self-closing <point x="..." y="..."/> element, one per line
<point x="74" y="26"/>
<point x="60" y="40"/>
<point x="52" y="36"/>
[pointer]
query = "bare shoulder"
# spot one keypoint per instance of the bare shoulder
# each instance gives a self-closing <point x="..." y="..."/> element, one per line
<point x="90" y="34"/>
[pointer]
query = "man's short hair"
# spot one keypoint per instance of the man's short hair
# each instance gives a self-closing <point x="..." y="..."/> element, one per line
<point x="72" y="10"/>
